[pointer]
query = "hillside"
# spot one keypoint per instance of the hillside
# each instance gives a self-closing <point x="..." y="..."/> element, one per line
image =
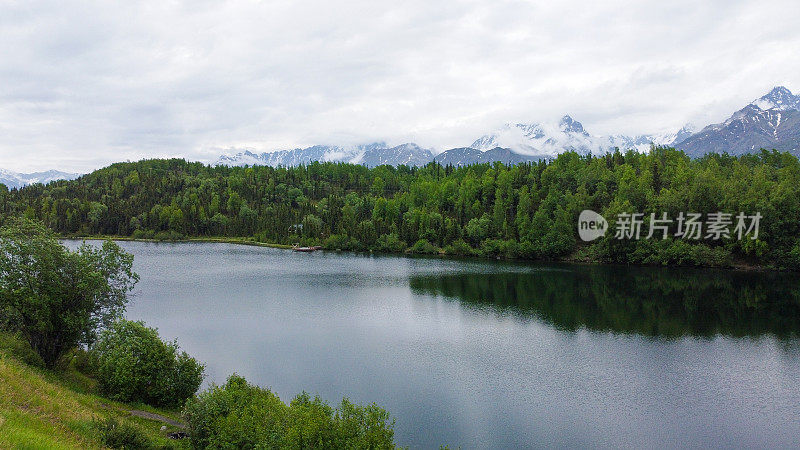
<point x="529" y="210"/>
<point x="42" y="409"/>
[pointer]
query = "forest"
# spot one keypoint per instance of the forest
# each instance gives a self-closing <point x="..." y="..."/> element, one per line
<point x="525" y="211"/>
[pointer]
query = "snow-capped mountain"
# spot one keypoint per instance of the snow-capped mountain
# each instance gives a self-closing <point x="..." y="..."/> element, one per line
<point x="295" y="157"/>
<point x="461" y="156"/>
<point x="778" y="98"/>
<point x="18" y="180"/>
<point x="770" y="122"/>
<point x="408" y="154"/>
<point x="465" y="156"/>
<point x="511" y="144"/>
<point x="370" y="155"/>
<point x="549" y="140"/>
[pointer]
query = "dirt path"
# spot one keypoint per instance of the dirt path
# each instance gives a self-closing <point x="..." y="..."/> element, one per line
<point x="147" y="415"/>
<point x="158" y="417"/>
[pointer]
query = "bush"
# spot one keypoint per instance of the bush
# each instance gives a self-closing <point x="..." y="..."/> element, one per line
<point x="14" y="345"/>
<point x="240" y="415"/>
<point x="121" y="435"/>
<point x="84" y="362"/>
<point x="424" y="247"/>
<point x="143" y="234"/>
<point x="391" y="243"/>
<point x="459" y="247"/>
<point x="170" y="235"/>
<point x="500" y="248"/>
<point x="134" y="364"/>
<point x="339" y="242"/>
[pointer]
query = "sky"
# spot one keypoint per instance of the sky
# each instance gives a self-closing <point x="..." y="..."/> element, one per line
<point x="85" y="84"/>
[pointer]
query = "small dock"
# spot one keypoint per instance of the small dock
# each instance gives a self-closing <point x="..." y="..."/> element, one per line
<point x="298" y="248"/>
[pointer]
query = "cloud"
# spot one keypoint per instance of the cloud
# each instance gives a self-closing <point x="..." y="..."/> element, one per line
<point x="85" y="84"/>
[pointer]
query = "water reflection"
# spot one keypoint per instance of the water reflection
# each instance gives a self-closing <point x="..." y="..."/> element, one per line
<point x="646" y="301"/>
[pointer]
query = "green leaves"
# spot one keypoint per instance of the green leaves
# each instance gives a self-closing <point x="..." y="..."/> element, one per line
<point x="134" y="364"/>
<point x="57" y="298"/>
<point x="240" y="415"/>
<point x="352" y="207"/>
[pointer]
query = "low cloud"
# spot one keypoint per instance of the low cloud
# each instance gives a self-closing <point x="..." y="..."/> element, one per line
<point x="83" y="85"/>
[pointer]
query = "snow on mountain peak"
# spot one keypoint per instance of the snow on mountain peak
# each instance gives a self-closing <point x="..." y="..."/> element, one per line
<point x="550" y="139"/>
<point x="569" y="125"/>
<point x="18" y="180"/>
<point x="373" y="154"/>
<point x="778" y="98"/>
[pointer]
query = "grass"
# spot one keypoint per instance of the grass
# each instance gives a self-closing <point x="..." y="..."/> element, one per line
<point x="47" y="409"/>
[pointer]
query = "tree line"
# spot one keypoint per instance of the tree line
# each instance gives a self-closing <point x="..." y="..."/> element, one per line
<point x="525" y="211"/>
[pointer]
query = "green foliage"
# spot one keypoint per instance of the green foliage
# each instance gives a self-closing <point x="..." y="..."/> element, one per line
<point x="13" y="344"/>
<point x="114" y="434"/>
<point x="134" y="364"/>
<point x="390" y="243"/>
<point x="460" y="248"/>
<point x="423" y="247"/>
<point x="240" y="415"/>
<point x="56" y="298"/>
<point x="41" y="408"/>
<point x="500" y="248"/>
<point x="340" y="242"/>
<point x="525" y="211"/>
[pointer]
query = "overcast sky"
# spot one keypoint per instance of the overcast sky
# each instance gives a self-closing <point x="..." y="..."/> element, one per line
<point x="84" y="84"/>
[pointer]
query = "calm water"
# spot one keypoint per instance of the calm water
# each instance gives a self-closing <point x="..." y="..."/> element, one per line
<point x="491" y="354"/>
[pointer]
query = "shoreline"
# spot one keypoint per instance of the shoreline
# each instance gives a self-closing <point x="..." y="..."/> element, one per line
<point x="220" y="240"/>
<point x="570" y="259"/>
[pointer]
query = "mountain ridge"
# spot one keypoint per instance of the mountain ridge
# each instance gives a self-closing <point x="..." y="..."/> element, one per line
<point x="770" y="121"/>
<point x="17" y="180"/>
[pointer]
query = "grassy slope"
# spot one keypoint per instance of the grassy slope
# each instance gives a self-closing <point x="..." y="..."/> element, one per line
<point x="43" y="409"/>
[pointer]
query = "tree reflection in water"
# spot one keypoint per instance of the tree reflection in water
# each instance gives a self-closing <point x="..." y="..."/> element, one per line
<point x="665" y="302"/>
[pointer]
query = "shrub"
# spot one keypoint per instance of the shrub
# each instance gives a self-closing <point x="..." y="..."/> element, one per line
<point x="114" y="434"/>
<point x="143" y="234"/>
<point x="339" y="242"/>
<point x="170" y="235"/>
<point x="84" y="362"/>
<point x="424" y="247"/>
<point x="13" y="344"/>
<point x="134" y="364"/>
<point x="240" y="415"/>
<point x="499" y="247"/>
<point x="391" y="243"/>
<point x="459" y="247"/>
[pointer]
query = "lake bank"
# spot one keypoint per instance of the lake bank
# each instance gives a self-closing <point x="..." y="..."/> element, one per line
<point x="574" y="258"/>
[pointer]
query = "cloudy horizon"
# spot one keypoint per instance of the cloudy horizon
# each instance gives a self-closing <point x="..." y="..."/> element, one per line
<point x="84" y="85"/>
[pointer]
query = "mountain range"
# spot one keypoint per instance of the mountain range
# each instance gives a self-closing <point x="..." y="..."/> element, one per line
<point x="511" y="144"/>
<point x="771" y="121"/>
<point x="17" y="180"/>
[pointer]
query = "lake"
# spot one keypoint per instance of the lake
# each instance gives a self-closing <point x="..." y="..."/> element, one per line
<point x="492" y="354"/>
